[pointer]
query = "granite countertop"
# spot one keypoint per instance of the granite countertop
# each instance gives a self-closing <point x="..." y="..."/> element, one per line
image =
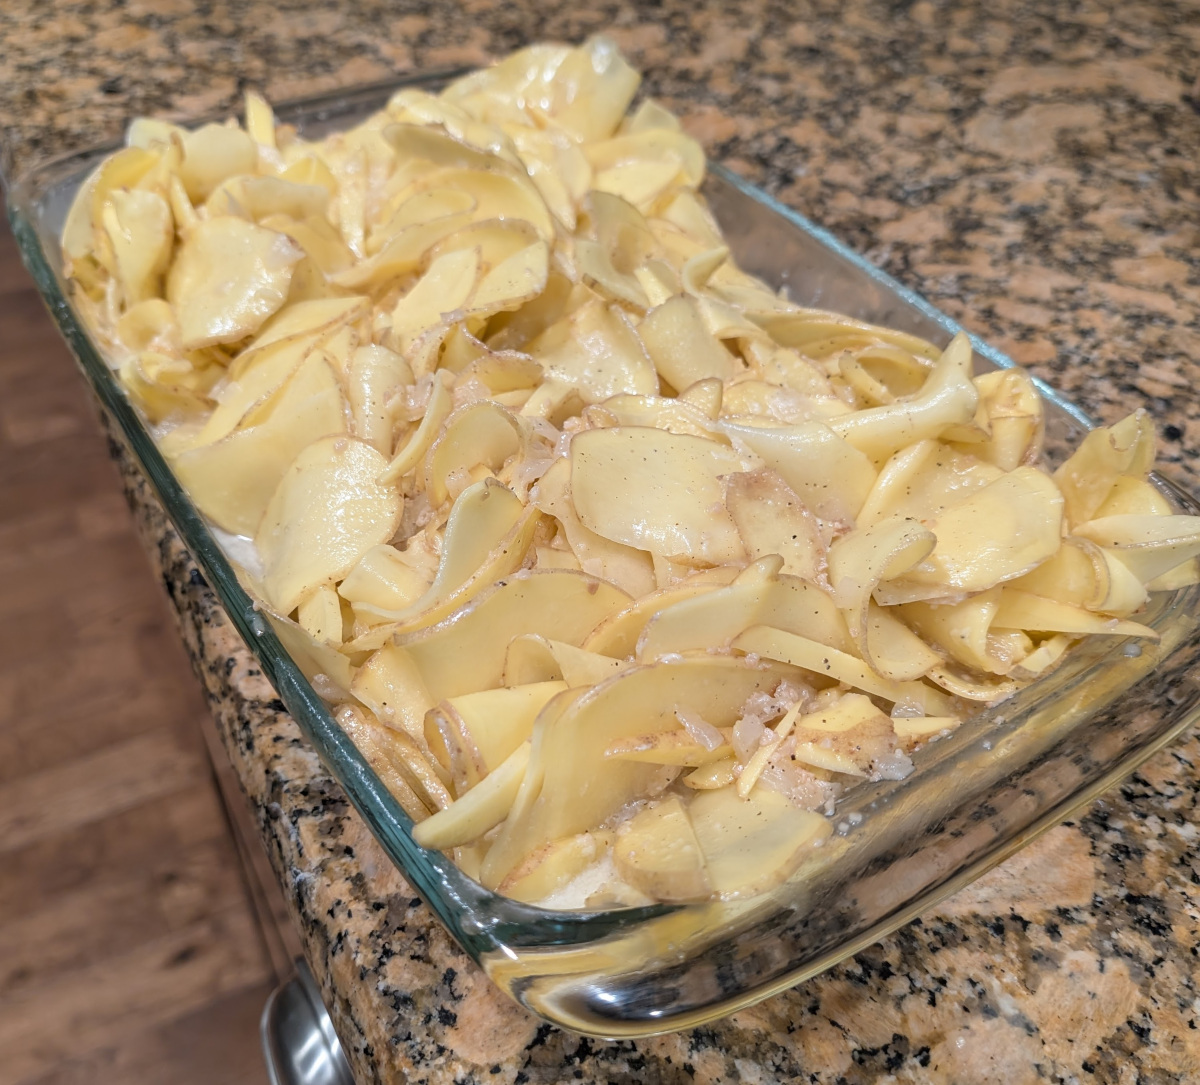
<point x="1032" y="168"/>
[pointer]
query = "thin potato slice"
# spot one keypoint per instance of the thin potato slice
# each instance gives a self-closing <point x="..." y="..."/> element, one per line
<point x="232" y="480"/>
<point x="480" y="809"/>
<point x="465" y="652"/>
<point x="807" y="455"/>
<point x="1023" y="512"/>
<point x="657" y="852"/>
<point x="473" y="734"/>
<point x="227" y="279"/>
<point x="618" y="635"/>
<point x="751" y="844"/>
<point x="824" y="661"/>
<point x="666" y="488"/>
<point x="327" y="512"/>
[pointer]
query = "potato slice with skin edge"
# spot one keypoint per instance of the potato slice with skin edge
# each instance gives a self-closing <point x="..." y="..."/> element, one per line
<point x="268" y="373"/>
<point x="312" y="656"/>
<point x="657" y="491"/>
<point x="373" y="376"/>
<point x="759" y="595"/>
<point x="464" y="653"/>
<point x="232" y="480"/>
<point x="629" y="568"/>
<point x="752" y="844"/>
<point x="1020" y="610"/>
<point x="402" y="254"/>
<point x="437" y="410"/>
<point x="480" y="809"/>
<point x="894" y="650"/>
<point x="472" y="735"/>
<point x="657" y="852"/>
<point x="531" y="658"/>
<point x="821" y="660"/>
<point x="486" y="538"/>
<point x="228" y="277"/>
<point x="320" y="615"/>
<point x="1106" y="454"/>
<point x="710" y="620"/>
<point x="327" y="512"/>
<point x="482" y="432"/>
<point x="948" y="398"/>
<point x="1148" y="545"/>
<point x="390" y="685"/>
<point x="1024" y="514"/>
<point x="579" y="789"/>
<point x="771" y="519"/>
<point x="318" y="318"/>
<point x="859" y="560"/>
<point x="618" y="635"/>
<point x="553" y="865"/>
<point x="709" y="777"/>
<point x="383" y="580"/>
<point x="443" y="288"/>
<point x="807" y="455"/>
<point x="212" y="153"/>
<point x="141" y="230"/>
<point x="667" y="748"/>
<point x="964" y="632"/>
<point x="401" y="753"/>
<point x="597" y="353"/>
<point x="353" y="721"/>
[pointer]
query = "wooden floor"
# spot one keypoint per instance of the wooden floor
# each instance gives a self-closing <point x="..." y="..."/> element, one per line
<point x="128" y="949"/>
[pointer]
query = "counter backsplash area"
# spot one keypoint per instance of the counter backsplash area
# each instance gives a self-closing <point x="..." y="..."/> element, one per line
<point x="1034" y="171"/>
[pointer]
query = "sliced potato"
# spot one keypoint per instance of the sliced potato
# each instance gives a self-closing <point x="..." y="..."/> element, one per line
<point x="471" y="735"/>
<point x="227" y="279"/>
<point x="232" y="480"/>
<point x="480" y="809"/>
<point x="579" y="787"/>
<point x="465" y="652"/>
<point x="657" y="491"/>
<point x="751" y="844"/>
<point x="657" y="852"/>
<point x="326" y="513"/>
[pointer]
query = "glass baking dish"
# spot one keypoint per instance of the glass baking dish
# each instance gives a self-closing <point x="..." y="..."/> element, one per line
<point x="974" y="798"/>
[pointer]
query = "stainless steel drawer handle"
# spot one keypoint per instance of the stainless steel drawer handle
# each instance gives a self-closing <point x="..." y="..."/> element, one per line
<point x="299" y="1044"/>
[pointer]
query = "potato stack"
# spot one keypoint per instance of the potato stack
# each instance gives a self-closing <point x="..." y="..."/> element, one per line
<point x="618" y="566"/>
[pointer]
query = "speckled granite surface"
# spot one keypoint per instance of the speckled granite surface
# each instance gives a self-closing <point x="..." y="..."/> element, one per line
<point x="1032" y="168"/>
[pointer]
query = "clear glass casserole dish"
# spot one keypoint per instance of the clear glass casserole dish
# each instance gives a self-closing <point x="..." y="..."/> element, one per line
<point x="1007" y="774"/>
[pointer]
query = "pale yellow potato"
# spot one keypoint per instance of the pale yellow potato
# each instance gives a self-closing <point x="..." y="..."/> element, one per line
<point x="531" y="658"/>
<point x="579" y="787"/>
<point x="771" y="519"/>
<point x="472" y="735"/>
<point x="656" y="491"/>
<point x="140" y="229"/>
<point x="1148" y="545"/>
<point x="809" y="456"/>
<point x="227" y="279"/>
<point x="327" y="511"/>
<point x="232" y="479"/>
<point x="1023" y="512"/>
<point x="390" y="684"/>
<point x="482" y="808"/>
<point x="657" y="852"/>
<point x="211" y="154"/>
<point x="629" y="568"/>
<point x="559" y="604"/>
<point x="481" y="433"/>
<point x="752" y="844"/>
